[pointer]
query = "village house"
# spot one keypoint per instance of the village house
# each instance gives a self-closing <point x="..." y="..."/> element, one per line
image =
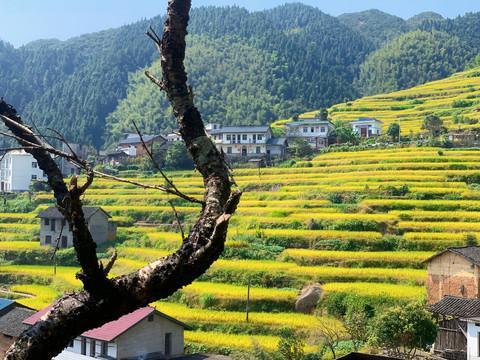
<point x="145" y="333"/>
<point x="17" y="170"/>
<point x="113" y="158"/>
<point x="454" y="271"/>
<point x="134" y="147"/>
<point x="255" y="140"/>
<point x="453" y="296"/>
<point x="51" y="226"/>
<point x="312" y="130"/>
<point x="12" y="315"/>
<point x="82" y="150"/>
<point x="367" y="126"/>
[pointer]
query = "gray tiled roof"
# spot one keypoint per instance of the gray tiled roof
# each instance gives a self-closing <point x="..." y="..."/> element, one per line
<point x="11" y="320"/>
<point x="366" y="119"/>
<point x="53" y="213"/>
<point x="471" y="253"/>
<point x="276" y="141"/>
<point x="456" y="306"/>
<point x="241" y="129"/>
<point x="135" y="139"/>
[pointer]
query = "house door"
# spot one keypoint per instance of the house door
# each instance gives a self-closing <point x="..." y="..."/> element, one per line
<point x="363" y="131"/>
<point x="244" y="151"/>
<point x="168" y="344"/>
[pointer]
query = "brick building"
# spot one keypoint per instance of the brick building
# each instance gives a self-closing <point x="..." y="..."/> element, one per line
<point x="454" y="271"/>
<point x="453" y="296"/>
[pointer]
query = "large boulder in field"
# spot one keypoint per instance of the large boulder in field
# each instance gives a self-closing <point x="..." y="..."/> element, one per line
<point x="308" y="298"/>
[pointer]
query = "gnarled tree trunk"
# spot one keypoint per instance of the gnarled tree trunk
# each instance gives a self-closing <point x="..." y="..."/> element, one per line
<point x="103" y="299"/>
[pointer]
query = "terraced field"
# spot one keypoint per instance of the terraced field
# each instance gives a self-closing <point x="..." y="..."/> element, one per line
<point x="358" y="222"/>
<point x="455" y="100"/>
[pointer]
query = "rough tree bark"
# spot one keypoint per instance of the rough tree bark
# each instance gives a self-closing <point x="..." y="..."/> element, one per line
<point x="103" y="299"/>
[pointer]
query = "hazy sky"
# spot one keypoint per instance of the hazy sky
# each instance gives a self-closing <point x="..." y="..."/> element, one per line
<point x="27" y="20"/>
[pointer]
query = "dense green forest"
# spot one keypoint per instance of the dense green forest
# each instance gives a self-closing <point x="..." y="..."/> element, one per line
<point x="411" y="59"/>
<point x="245" y="67"/>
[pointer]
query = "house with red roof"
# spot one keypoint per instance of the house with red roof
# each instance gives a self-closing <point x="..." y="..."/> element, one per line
<point x="145" y="333"/>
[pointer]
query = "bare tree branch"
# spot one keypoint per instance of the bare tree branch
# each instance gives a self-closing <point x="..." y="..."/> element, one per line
<point x="105" y="299"/>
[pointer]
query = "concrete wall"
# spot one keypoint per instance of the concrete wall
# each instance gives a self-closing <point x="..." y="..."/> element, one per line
<point x="473" y="349"/>
<point x="98" y="225"/>
<point x="448" y="274"/>
<point x="149" y="337"/>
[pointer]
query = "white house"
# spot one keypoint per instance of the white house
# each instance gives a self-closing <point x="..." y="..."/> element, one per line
<point x="18" y="169"/>
<point x="144" y="333"/>
<point x="367" y="127"/>
<point x="312" y="130"/>
<point x="255" y="140"/>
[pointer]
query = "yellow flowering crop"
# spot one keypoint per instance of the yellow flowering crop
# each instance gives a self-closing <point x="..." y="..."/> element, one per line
<point x="377" y="289"/>
<point x="228" y="291"/>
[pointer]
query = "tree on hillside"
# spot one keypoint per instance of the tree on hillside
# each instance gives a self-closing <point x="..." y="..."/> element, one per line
<point x="323" y="114"/>
<point x="404" y="329"/>
<point x="393" y="131"/>
<point x="105" y="299"/>
<point x="177" y="157"/>
<point x="433" y="124"/>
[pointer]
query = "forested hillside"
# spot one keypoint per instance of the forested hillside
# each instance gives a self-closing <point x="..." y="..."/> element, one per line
<point x="375" y="25"/>
<point x="412" y="59"/>
<point x="245" y="68"/>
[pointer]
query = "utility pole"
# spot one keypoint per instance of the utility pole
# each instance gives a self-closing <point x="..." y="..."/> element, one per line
<point x="248" y="295"/>
<point x="399" y="129"/>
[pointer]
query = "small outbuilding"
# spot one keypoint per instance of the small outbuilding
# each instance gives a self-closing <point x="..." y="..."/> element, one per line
<point x="145" y="333"/>
<point x="99" y="224"/>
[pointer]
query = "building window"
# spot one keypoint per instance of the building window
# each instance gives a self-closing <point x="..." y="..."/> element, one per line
<point x="312" y="129"/>
<point x="259" y="136"/>
<point x="229" y="150"/>
<point x="34" y="164"/>
<point x="104" y="348"/>
<point x="48" y="239"/>
<point x="47" y="221"/>
<point x="64" y="242"/>
<point x="257" y="150"/>
<point x="34" y="177"/>
<point x="305" y="129"/>
<point x="229" y="137"/>
<point x="244" y="137"/>
<point x="322" y="129"/>
<point x="52" y="225"/>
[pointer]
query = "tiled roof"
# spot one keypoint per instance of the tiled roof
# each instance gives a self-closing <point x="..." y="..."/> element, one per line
<point x="456" y="306"/>
<point x="241" y="129"/>
<point x="277" y="141"/>
<point x="135" y="139"/>
<point x="306" y="121"/>
<point x="53" y="213"/>
<point x="471" y="253"/>
<point x="366" y="119"/>
<point x="11" y="320"/>
<point x="113" y="329"/>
